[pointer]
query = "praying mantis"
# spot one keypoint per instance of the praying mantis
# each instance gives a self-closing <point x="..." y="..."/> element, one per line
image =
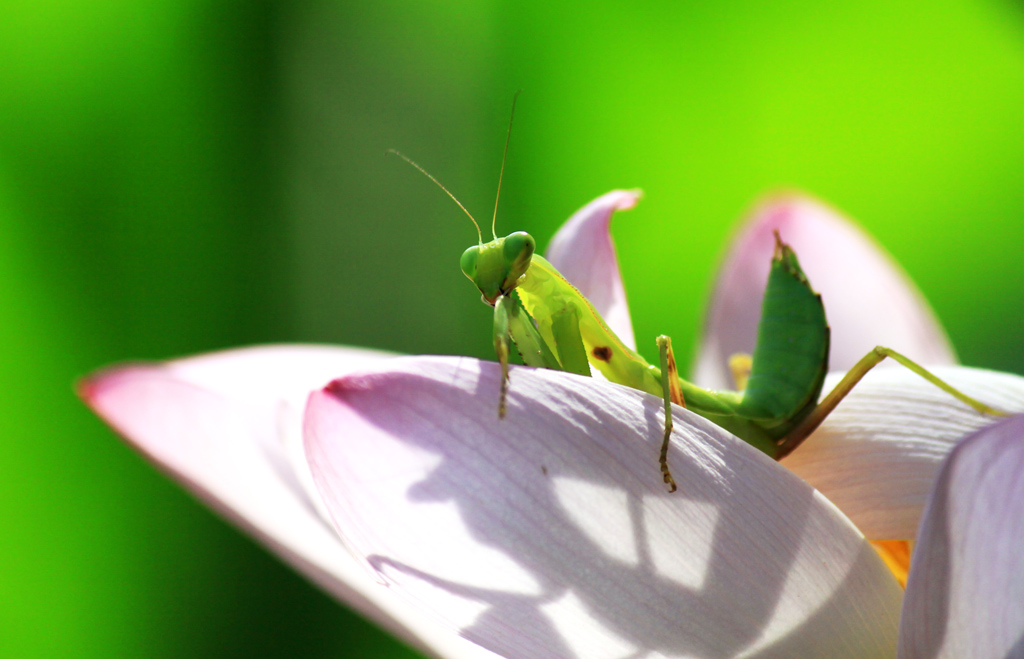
<point x="776" y="405"/>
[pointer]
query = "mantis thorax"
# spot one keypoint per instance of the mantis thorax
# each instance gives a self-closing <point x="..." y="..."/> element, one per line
<point x="497" y="266"/>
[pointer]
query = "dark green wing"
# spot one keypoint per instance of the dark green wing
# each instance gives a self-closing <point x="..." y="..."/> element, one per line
<point x="791" y="358"/>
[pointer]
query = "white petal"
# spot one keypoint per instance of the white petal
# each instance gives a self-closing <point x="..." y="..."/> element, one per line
<point x="583" y="252"/>
<point x="877" y="456"/>
<point x="550" y="534"/>
<point x="219" y="424"/>
<point x="965" y="594"/>
<point x="868" y="298"/>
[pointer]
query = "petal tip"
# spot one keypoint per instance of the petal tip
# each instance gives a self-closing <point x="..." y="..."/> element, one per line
<point x="86" y="387"/>
<point x="92" y="387"/>
<point x="785" y="209"/>
<point x="630" y="198"/>
<point x="347" y="385"/>
<point x="617" y="200"/>
<point x="336" y="388"/>
<point x="111" y="393"/>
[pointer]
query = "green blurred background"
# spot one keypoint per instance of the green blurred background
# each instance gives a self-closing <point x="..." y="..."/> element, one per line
<point x="185" y="176"/>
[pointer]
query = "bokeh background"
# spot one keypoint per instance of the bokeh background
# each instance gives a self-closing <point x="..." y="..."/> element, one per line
<point x="179" y="176"/>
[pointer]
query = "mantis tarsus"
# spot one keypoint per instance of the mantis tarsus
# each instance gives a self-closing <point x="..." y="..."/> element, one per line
<point x="776" y="407"/>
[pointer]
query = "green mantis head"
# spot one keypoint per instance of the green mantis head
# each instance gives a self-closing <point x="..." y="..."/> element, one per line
<point x="496" y="267"/>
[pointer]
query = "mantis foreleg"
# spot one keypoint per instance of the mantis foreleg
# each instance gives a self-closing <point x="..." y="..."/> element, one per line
<point x="502" y="317"/>
<point x="511" y="321"/>
<point x="852" y="377"/>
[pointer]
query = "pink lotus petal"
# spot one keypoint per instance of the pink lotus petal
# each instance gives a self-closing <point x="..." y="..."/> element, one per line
<point x="583" y="252"/>
<point x="965" y="593"/>
<point x="220" y="424"/>
<point x="868" y="299"/>
<point x="549" y="533"/>
<point x="877" y="456"/>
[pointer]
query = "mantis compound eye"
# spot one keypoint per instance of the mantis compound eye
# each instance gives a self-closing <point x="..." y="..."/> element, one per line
<point x="517" y="250"/>
<point x="468" y="261"/>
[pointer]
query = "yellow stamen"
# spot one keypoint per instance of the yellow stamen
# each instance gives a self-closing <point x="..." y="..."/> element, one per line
<point x="740" y="365"/>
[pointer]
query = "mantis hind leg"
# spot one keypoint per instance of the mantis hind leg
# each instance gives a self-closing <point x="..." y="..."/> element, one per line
<point x="671" y="394"/>
<point x="850" y="380"/>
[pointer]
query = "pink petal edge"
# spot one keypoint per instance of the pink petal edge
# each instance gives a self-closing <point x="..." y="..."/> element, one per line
<point x="967" y="575"/>
<point x="868" y="298"/>
<point x="217" y="423"/>
<point x="583" y="251"/>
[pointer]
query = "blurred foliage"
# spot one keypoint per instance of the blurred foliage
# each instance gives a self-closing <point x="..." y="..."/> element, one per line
<point x="185" y="176"/>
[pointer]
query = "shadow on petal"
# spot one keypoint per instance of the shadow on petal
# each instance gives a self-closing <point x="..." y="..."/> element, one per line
<point x="558" y="514"/>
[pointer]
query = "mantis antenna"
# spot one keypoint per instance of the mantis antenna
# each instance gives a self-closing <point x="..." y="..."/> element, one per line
<point x="480" y="235"/>
<point x="508" y="136"/>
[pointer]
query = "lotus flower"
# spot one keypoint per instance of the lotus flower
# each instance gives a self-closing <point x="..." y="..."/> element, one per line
<point x="391" y="483"/>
